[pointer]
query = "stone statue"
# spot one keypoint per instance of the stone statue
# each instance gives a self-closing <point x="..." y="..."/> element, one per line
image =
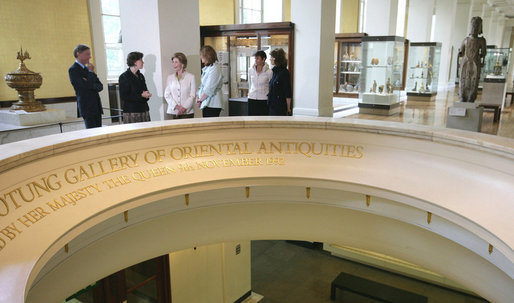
<point x="473" y="50"/>
<point x="374" y="89"/>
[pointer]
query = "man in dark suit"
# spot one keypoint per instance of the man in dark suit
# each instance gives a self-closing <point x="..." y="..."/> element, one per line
<point x="86" y="85"/>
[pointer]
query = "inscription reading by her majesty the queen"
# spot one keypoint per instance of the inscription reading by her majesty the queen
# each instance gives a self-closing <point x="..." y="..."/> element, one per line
<point x="94" y="177"/>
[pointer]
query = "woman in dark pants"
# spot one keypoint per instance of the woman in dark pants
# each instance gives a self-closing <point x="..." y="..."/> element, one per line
<point x="279" y="96"/>
<point x="133" y="91"/>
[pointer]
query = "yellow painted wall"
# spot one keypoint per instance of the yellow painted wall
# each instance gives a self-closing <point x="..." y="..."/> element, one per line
<point x="349" y="16"/>
<point x="49" y="30"/>
<point x="216" y="12"/>
<point x="286" y="10"/>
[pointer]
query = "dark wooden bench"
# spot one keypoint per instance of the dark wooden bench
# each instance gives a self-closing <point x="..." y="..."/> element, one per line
<point x="373" y="290"/>
<point x="496" y="109"/>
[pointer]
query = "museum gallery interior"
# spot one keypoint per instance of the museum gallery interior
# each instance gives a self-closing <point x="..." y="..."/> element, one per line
<point x="389" y="177"/>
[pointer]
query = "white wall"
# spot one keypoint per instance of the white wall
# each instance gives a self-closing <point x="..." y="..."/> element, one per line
<point x="381" y="17"/>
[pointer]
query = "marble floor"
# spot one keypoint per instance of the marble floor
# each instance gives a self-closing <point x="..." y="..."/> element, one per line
<point x="434" y="114"/>
<point x="283" y="272"/>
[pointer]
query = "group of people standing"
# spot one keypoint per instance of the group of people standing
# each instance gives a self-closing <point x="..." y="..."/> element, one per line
<point x="269" y="89"/>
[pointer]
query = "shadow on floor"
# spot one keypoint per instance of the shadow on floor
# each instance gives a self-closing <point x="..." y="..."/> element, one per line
<point x="284" y="272"/>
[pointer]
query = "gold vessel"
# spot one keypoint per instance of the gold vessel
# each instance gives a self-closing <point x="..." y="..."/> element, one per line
<point x="25" y="82"/>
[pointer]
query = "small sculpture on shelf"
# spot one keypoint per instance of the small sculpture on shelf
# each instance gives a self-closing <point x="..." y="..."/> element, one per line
<point x="415" y="86"/>
<point x="390" y="60"/>
<point x="422" y="74"/>
<point x="472" y="51"/>
<point x="374" y="61"/>
<point x="389" y="87"/>
<point x="380" y="89"/>
<point x="422" y="88"/>
<point x="374" y="88"/>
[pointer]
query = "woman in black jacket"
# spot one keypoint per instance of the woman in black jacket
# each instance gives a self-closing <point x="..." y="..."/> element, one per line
<point x="279" y="96"/>
<point x="133" y="91"/>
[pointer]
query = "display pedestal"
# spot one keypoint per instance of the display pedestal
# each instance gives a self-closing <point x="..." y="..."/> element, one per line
<point x="465" y="115"/>
<point x="23" y="118"/>
<point x="379" y="104"/>
<point x="421" y="97"/>
<point x="379" y="109"/>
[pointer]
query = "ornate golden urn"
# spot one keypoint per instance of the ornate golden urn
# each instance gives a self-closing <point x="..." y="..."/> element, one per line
<point x="25" y="82"/>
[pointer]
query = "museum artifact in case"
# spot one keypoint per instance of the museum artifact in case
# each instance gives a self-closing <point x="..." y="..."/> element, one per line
<point x="381" y="74"/>
<point x="423" y="70"/>
<point x="235" y="45"/>
<point x="497" y="62"/>
<point x="347" y="64"/>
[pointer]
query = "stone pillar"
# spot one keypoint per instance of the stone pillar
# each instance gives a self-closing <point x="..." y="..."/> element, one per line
<point x="461" y="30"/>
<point x="444" y="25"/>
<point x="99" y="56"/>
<point x="314" y="49"/>
<point x="385" y="17"/>
<point x="159" y="28"/>
<point x="419" y="23"/>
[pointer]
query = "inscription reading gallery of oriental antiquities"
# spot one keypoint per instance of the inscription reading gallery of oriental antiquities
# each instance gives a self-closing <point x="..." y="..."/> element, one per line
<point x="104" y="174"/>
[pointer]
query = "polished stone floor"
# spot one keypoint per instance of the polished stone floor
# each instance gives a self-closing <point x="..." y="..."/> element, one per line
<point x="283" y="272"/>
<point x="434" y="114"/>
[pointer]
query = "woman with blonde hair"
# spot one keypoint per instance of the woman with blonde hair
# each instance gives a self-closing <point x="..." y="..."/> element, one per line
<point x="209" y="96"/>
<point x="180" y="89"/>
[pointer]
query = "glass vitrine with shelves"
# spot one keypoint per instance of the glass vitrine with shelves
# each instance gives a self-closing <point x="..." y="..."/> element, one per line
<point x="347" y="64"/>
<point x="423" y="70"/>
<point x="236" y="44"/>
<point x="381" y="74"/>
<point x="496" y="63"/>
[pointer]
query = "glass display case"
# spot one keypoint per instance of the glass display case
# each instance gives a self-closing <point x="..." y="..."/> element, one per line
<point x="347" y="64"/>
<point x="496" y="64"/>
<point x="236" y="44"/>
<point x="381" y="74"/>
<point x="423" y="70"/>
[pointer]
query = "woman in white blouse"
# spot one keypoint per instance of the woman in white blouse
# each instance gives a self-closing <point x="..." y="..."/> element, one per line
<point x="259" y="77"/>
<point x="180" y="89"/>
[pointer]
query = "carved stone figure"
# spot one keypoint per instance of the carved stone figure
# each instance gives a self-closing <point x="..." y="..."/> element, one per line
<point x="381" y="89"/>
<point x="415" y="86"/>
<point x="473" y="50"/>
<point x="374" y="89"/>
<point x="389" y="87"/>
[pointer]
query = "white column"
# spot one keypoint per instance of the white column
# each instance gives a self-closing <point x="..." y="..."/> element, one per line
<point x="159" y="28"/>
<point x="382" y="17"/>
<point x="462" y="20"/>
<point x="314" y="51"/>
<point x="444" y="25"/>
<point x="95" y="15"/>
<point x="419" y="23"/>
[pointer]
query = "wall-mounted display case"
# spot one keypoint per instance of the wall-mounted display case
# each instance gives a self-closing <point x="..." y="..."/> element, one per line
<point x="347" y="64"/>
<point x="381" y="74"/>
<point x="236" y="44"/>
<point x="423" y="70"/>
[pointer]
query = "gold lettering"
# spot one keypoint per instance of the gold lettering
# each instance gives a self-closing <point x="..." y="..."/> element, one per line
<point x="10" y="230"/>
<point x="73" y="179"/>
<point x="56" y="206"/>
<point x="262" y="149"/>
<point x="359" y="151"/>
